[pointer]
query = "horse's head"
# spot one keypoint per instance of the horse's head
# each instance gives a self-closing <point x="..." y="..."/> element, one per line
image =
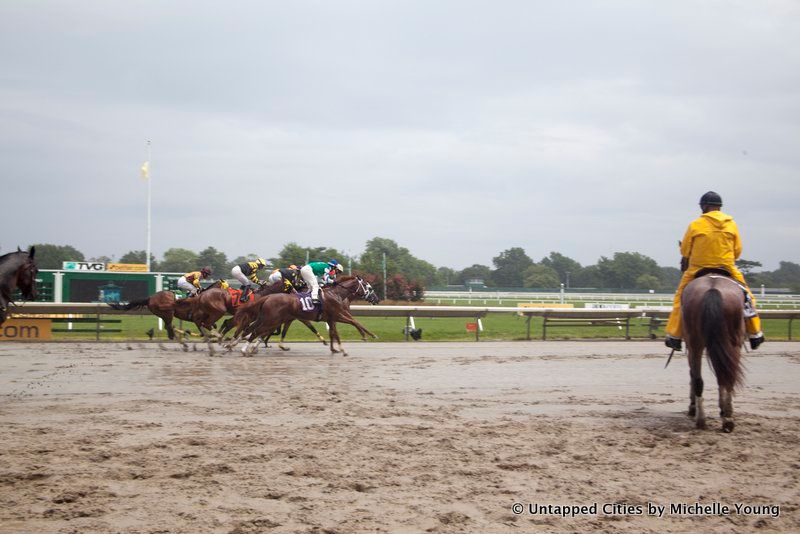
<point x="26" y="274"/>
<point x="366" y="292"/>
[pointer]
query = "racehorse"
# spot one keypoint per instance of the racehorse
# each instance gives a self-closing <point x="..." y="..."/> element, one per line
<point x="17" y="270"/>
<point x="713" y="318"/>
<point x="247" y="312"/>
<point x="204" y="310"/>
<point x="276" y="310"/>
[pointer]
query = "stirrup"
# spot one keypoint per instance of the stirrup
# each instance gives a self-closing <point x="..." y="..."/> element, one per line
<point x="674" y="343"/>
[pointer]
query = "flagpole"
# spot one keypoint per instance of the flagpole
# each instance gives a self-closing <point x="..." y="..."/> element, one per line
<point x="147" y="251"/>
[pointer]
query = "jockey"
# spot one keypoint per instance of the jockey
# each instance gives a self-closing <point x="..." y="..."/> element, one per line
<point x="287" y="275"/>
<point x="190" y="282"/>
<point x="247" y="274"/>
<point x="711" y="241"/>
<point x="327" y="271"/>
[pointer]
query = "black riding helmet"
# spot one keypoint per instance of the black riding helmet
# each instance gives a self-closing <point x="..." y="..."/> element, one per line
<point x="711" y="199"/>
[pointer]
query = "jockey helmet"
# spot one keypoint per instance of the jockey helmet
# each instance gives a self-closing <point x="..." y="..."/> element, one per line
<point x="293" y="267"/>
<point x="336" y="265"/>
<point x="711" y="199"/>
<point x="262" y="262"/>
<point x="206" y="271"/>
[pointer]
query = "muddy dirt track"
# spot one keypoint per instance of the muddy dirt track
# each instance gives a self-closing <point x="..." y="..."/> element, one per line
<point x="437" y="437"/>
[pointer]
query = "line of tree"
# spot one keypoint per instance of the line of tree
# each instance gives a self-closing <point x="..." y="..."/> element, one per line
<point x="408" y="275"/>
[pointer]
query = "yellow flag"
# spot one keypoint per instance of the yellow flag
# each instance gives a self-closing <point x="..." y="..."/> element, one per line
<point x="145" y="170"/>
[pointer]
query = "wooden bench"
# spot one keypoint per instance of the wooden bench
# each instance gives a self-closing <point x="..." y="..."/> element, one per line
<point x="552" y="322"/>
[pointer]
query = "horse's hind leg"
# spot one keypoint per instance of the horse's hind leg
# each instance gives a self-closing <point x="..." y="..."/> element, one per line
<point x="207" y="334"/>
<point x="334" y="335"/>
<point x="696" y="388"/>
<point x="283" y="335"/>
<point x="314" y="330"/>
<point x="726" y="409"/>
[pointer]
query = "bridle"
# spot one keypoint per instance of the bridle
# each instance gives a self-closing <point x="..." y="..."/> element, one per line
<point x="365" y="287"/>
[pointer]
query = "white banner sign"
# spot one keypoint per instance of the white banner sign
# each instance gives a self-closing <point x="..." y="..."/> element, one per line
<point x="606" y="306"/>
<point x="83" y="266"/>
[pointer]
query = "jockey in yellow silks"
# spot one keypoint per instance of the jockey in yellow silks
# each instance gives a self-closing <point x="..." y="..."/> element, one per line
<point x="190" y="282"/>
<point x="711" y="241"/>
<point x="247" y="275"/>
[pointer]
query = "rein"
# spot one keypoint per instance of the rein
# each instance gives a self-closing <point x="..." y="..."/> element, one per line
<point x="362" y="287"/>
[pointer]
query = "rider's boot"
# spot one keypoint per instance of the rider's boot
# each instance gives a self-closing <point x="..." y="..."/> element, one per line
<point x="245" y="294"/>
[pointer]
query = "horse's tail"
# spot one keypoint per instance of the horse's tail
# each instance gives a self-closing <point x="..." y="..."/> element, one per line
<point x="721" y="341"/>
<point x="132" y="305"/>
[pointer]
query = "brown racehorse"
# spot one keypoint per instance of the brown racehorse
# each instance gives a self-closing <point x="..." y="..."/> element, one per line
<point x="17" y="270"/>
<point x="276" y="310"/>
<point x="247" y="312"/>
<point x="204" y="309"/>
<point x="713" y="319"/>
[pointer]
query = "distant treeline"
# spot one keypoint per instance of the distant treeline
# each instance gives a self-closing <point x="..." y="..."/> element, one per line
<point x="511" y="268"/>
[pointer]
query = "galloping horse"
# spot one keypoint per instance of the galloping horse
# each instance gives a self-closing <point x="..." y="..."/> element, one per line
<point x="247" y="312"/>
<point x="276" y="310"/>
<point x="713" y="318"/>
<point x="204" y="310"/>
<point x="17" y="270"/>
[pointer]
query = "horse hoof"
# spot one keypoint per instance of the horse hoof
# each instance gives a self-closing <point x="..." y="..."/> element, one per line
<point x="701" y="425"/>
<point x="727" y="427"/>
<point x="691" y="412"/>
<point x="284" y="348"/>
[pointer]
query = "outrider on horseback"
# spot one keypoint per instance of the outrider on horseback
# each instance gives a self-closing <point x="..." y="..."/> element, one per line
<point x="713" y="308"/>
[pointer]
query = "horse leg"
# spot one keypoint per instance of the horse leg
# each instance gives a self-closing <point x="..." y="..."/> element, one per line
<point x="238" y="335"/>
<point x="696" y="387"/>
<point x="314" y="329"/>
<point x="180" y="339"/>
<point x="207" y="334"/>
<point x="283" y="335"/>
<point x="227" y="326"/>
<point x="349" y="319"/>
<point x="334" y="335"/>
<point x="726" y="409"/>
<point x="169" y="327"/>
<point x="252" y="338"/>
<point x="250" y="347"/>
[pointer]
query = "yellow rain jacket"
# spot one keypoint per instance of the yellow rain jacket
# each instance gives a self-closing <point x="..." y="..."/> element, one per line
<point x="712" y="240"/>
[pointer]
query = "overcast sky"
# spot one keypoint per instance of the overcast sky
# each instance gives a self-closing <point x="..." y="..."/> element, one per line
<point x="457" y="128"/>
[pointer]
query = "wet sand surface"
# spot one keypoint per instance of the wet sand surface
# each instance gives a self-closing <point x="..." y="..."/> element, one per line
<point x="395" y="437"/>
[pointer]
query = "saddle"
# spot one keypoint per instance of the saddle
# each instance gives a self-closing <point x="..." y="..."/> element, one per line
<point x="236" y="294"/>
<point x="712" y="270"/>
<point x="307" y="305"/>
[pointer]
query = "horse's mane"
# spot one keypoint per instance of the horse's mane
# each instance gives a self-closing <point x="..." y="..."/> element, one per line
<point x="7" y="263"/>
<point x="6" y="256"/>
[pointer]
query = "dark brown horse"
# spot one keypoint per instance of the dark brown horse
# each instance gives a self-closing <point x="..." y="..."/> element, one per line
<point x="17" y="271"/>
<point x="713" y="319"/>
<point x="204" y="310"/>
<point x="247" y="312"/>
<point x="276" y="310"/>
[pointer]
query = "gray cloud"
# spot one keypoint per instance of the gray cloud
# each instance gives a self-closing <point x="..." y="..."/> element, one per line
<point x="458" y="129"/>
